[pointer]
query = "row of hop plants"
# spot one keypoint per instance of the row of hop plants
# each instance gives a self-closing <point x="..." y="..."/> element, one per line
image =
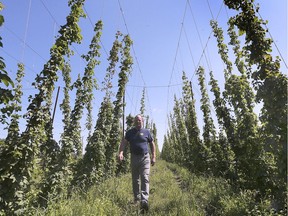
<point x="34" y="168"/>
<point x="249" y="150"/>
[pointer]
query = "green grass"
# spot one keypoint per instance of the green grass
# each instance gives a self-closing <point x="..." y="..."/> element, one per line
<point x="173" y="191"/>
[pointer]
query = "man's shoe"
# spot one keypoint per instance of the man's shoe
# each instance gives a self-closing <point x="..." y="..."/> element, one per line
<point x="144" y="206"/>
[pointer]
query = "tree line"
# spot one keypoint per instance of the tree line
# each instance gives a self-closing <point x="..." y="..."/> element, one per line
<point x="250" y="151"/>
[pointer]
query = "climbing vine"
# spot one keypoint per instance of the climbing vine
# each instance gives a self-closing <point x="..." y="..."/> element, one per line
<point x="250" y="150"/>
<point x="5" y="93"/>
<point x="18" y="163"/>
<point x="126" y="62"/>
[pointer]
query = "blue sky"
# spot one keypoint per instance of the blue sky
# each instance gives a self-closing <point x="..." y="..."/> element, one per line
<point x="169" y="37"/>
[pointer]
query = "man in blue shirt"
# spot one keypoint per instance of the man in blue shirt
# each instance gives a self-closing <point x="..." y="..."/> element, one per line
<point x="139" y="138"/>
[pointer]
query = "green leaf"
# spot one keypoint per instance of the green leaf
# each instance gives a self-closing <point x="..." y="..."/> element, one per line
<point x="6" y="80"/>
<point x="1" y="20"/>
<point x="241" y="32"/>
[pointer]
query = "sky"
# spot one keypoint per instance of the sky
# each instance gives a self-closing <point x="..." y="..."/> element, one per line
<point x="169" y="37"/>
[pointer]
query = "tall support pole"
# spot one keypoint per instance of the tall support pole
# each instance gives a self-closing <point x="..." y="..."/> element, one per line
<point x="55" y="104"/>
<point x="191" y="90"/>
<point x="123" y="117"/>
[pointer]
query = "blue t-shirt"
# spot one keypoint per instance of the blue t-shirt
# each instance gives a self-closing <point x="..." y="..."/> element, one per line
<point x="138" y="140"/>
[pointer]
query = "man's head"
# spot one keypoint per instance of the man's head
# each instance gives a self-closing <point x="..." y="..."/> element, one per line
<point x="138" y="121"/>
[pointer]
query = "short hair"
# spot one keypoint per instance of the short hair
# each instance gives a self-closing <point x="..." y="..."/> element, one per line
<point x="140" y="116"/>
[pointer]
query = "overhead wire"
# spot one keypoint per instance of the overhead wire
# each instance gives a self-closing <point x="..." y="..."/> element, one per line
<point x="206" y="44"/>
<point x="134" y="53"/>
<point x="44" y="5"/>
<point x="135" y="56"/>
<point x="93" y="27"/>
<point x="18" y="61"/>
<point x="24" y="42"/>
<point x="153" y="86"/>
<point x="178" y="44"/>
<point x="27" y="67"/>
<point x="102" y="10"/>
<point x="281" y="56"/>
<point x="55" y="21"/>
<point x="174" y="63"/>
<point x="189" y="47"/>
<point x="131" y="101"/>
<point x="218" y="14"/>
<point x="179" y="70"/>
<point x="205" y="52"/>
<point x="210" y="9"/>
<point x="200" y="39"/>
<point x="26" y="29"/>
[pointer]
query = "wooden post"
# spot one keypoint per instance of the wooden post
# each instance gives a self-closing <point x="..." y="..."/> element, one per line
<point x="123" y="117"/>
<point x="55" y="104"/>
<point x="191" y="90"/>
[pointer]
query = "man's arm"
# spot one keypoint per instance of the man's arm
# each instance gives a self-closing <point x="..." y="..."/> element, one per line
<point x="153" y="152"/>
<point x="122" y="146"/>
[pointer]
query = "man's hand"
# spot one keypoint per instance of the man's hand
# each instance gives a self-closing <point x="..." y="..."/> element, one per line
<point x="124" y="142"/>
<point x="153" y="161"/>
<point x="153" y="152"/>
<point x="120" y="156"/>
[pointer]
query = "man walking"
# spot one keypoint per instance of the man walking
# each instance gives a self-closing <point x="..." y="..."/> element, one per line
<point x="138" y="138"/>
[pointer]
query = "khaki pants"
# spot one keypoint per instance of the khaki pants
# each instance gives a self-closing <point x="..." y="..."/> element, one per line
<point x="140" y="167"/>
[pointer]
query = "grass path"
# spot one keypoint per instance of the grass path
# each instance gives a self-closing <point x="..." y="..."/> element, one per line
<point x="169" y="195"/>
<point x="173" y="191"/>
